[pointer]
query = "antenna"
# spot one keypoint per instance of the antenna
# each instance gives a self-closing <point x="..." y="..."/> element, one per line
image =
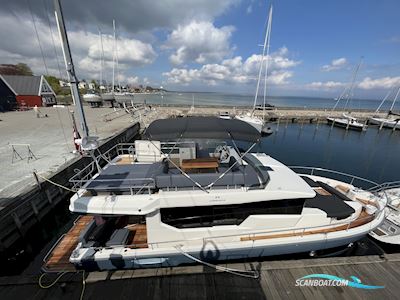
<point x="69" y="65"/>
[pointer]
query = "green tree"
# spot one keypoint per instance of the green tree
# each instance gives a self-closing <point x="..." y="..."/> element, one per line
<point x="18" y="69"/>
<point x="24" y="69"/>
<point x="55" y="84"/>
<point x="96" y="86"/>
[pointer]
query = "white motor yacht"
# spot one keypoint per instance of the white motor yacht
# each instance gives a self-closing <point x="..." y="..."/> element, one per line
<point x="389" y="231"/>
<point x="186" y="193"/>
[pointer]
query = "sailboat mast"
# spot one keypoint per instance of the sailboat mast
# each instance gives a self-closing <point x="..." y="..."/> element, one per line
<point x="69" y="65"/>
<point x="267" y="60"/>
<point x="261" y="67"/>
<point x="101" y="58"/>
<point x="353" y="81"/>
<point x="116" y="56"/>
<point x="384" y="99"/>
<point x="394" y="100"/>
<point x="113" y="68"/>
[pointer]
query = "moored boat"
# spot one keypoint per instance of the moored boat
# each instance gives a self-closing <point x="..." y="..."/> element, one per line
<point x="174" y="196"/>
<point x="93" y="98"/>
<point x="347" y="122"/>
<point x="389" y="231"/>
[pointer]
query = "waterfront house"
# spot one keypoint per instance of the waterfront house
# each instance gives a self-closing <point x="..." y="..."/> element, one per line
<point x="82" y="84"/>
<point x="7" y="98"/>
<point x="28" y="90"/>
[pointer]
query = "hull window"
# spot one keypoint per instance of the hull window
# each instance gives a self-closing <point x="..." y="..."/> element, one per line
<point x="207" y="216"/>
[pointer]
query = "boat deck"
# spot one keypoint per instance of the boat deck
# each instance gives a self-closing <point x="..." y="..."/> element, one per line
<point x="139" y="239"/>
<point x="58" y="261"/>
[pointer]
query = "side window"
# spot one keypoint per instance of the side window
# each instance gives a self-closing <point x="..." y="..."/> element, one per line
<point x="207" y="216"/>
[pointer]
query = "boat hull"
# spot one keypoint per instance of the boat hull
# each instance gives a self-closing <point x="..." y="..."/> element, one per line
<point x="92" y="98"/>
<point x="345" y="123"/>
<point x="210" y="251"/>
<point x="212" y="254"/>
<point x="255" y="122"/>
<point x="385" y="123"/>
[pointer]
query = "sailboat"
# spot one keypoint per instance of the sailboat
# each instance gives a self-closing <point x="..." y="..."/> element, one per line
<point x="392" y="120"/>
<point x="109" y="95"/>
<point x="250" y="118"/>
<point x="347" y="121"/>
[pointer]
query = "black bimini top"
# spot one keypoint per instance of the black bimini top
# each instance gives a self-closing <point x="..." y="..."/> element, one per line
<point x="201" y="127"/>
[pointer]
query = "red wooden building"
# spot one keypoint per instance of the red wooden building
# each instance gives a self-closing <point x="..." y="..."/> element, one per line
<point x="30" y="90"/>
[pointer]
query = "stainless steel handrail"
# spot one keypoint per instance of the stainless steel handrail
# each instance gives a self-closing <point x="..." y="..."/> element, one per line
<point x="317" y="169"/>
<point x="387" y="185"/>
<point x="88" y="172"/>
<point x="52" y="247"/>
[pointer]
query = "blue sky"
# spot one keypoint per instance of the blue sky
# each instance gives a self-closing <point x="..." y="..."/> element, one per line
<point x="206" y="45"/>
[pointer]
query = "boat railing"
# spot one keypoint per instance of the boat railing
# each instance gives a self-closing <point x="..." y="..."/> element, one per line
<point x="91" y="171"/>
<point x="46" y="257"/>
<point x="337" y="175"/>
<point x="387" y="186"/>
<point x="135" y="186"/>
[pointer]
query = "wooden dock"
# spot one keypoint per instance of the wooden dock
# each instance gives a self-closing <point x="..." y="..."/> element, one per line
<point x="277" y="281"/>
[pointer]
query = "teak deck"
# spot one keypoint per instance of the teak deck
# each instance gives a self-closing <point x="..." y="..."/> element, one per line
<point x="139" y="236"/>
<point x="58" y="260"/>
<point x="200" y="163"/>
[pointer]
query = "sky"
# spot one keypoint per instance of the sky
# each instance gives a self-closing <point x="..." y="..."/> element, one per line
<point x="214" y="46"/>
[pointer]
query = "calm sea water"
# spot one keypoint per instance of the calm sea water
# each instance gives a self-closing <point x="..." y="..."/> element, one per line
<point x="221" y="99"/>
<point x="373" y="154"/>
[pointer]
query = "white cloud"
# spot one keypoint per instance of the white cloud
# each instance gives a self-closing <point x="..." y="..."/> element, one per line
<point x="200" y="42"/>
<point x="85" y="47"/>
<point x="133" y="16"/>
<point x="335" y="64"/>
<point x="236" y="71"/>
<point x="380" y="83"/>
<point x="328" y="85"/>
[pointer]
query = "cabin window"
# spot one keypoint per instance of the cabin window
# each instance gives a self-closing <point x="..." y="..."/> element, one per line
<point x="207" y="216"/>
